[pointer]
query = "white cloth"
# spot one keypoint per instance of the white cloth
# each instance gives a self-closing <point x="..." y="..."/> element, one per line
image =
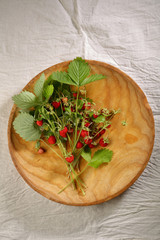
<point x="36" y="34"/>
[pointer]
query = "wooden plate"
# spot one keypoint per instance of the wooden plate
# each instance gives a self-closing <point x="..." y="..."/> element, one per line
<point x="132" y="144"/>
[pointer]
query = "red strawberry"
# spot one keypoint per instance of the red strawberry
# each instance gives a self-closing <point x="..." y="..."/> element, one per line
<point x="102" y="132"/>
<point x="72" y="109"/>
<point x="41" y="150"/>
<point x="88" y="106"/>
<point x="87" y="124"/>
<point x="79" y="145"/>
<point x="102" y="142"/>
<point x="84" y="133"/>
<point x="39" y="123"/>
<point x="78" y="132"/>
<point x="109" y="126"/>
<point x="70" y="159"/>
<point x="87" y="141"/>
<point x="95" y="115"/>
<point x="65" y="129"/>
<point x="63" y="108"/>
<point x="83" y="107"/>
<point x="91" y="145"/>
<point x="63" y="132"/>
<point x="52" y="139"/>
<point x="56" y="104"/>
<point x="75" y="94"/>
<point x="97" y="135"/>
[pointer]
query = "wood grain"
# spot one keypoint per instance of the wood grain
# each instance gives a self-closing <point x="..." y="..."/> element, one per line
<point x="132" y="144"/>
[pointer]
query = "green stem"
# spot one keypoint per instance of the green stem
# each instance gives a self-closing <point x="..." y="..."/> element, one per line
<point x="62" y="113"/>
<point x="51" y="148"/>
<point x="76" y="177"/>
<point x="101" y="130"/>
<point x="78" y="156"/>
<point x="52" y="129"/>
<point x="74" y="186"/>
<point x="62" y="148"/>
<point x="82" y="125"/>
<point x="73" y="179"/>
<point x="62" y="159"/>
<point x="70" y="142"/>
<point x="76" y="115"/>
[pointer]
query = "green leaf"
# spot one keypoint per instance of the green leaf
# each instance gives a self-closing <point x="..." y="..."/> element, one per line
<point x="92" y="78"/>
<point x="24" y="125"/>
<point x="101" y="156"/>
<point x="48" y="81"/>
<point x="91" y="114"/>
<point x="99" y="119"/>
<point x="38" y="87"/>
<point x="25" y="100"/>
<point x="66" y="93"/>
<point x="62" y="77"/>
<point x="89" y="100"/>
<point x="48" y="91"/>
<point x="78" y="70"/>
<point x="86" y="154"/>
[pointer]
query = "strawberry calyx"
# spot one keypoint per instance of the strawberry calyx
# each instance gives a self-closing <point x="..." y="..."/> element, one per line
<point x="84" y="133"/>
<point x="103" y="142"/>
<point x="92" y="145"/>
<point x="88" y="140"/>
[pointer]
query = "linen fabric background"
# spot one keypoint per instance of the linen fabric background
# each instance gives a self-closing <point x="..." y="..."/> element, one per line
<point x="35" y="34"/>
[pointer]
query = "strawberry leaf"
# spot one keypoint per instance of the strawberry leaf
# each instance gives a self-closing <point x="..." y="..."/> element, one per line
<point x="38" y="87"/>
<point x="78" y="70"/>
<point x="66" y="93"/>
<point x="101" y="156"/>
<point x="48" y="91"/>
<point x="92" y="78"/>
<point x="24" y="125"/>
<point x="62" y="77"/>
<point x="25" y="100"/>
<point x="99" y="119"/>
<point x="86" y="154"/>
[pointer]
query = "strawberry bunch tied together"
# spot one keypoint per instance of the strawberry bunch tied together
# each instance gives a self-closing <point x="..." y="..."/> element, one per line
<point x="60" y="113"/>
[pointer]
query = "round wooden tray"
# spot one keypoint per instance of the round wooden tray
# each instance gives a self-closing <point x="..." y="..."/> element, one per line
<point x="132" y="144"/>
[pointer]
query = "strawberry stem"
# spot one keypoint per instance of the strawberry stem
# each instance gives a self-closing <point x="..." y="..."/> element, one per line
<point x="76" y="115"/>
<point x="73" y="180"/>
<point x="51" y="148"/>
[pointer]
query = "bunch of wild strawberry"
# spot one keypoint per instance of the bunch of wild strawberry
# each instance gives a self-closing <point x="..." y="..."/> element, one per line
<point x="72" y="120"/>
<point x="66" y="118"/>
